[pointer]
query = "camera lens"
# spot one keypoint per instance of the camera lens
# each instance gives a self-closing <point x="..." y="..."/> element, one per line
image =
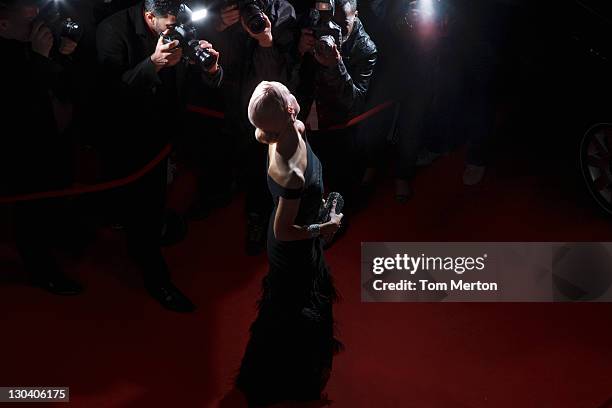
<point x="253" y="18"/>
<point x="257" y="24"/>
<point x="172" y="36"/>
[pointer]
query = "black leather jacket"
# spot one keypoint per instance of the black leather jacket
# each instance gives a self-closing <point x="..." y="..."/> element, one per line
<point x="125" y="44"/>
<point x="340" y="92"/>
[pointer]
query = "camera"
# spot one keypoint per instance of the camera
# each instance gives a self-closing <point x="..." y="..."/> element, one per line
<point x="59" y="25"/>
<point x="325" y="30"/>
<point x="251" y="13"/>
<point x="185" y="32"/>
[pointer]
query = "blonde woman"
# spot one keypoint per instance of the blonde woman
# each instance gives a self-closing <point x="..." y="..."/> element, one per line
<point x="289" y="355"/>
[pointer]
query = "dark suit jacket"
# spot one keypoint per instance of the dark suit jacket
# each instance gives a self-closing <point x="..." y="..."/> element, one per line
<point x="35" y="155"/>
<point x="125" y="44"/>
<point x="147" y="104"/>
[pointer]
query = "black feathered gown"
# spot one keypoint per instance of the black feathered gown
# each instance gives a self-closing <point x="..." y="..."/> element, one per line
<point x="289" y="355"/>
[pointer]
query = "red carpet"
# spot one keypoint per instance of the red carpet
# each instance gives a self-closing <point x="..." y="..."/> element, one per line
<point x="115" y="347"/>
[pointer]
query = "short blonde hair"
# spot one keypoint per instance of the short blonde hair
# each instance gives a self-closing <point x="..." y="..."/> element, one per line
<point x="270" y="101"/>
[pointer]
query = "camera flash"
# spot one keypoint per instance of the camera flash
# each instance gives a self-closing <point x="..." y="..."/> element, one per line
<point x="427" y="8"/>
<point x="199" y="15"/>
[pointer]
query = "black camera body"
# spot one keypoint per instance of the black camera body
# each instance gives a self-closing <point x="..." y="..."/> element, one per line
<point x="59" y="25"/>
<point x="251" y="12"/>
<point x="325" y="30"/>
<point x="186" y="33"/>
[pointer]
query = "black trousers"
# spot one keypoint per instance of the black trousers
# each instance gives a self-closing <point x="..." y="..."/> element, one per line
<point x="139" y="206"/>
<point x="40" y="162"/>
<point x="207" y="150"/>
<point x="144" y="203"/>
<point x="449" y="102"/>
<point x="35" y="227"/>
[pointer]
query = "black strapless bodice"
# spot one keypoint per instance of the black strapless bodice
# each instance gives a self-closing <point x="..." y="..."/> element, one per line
<point x="288" y="254"/>
<point x="310" y="194"/>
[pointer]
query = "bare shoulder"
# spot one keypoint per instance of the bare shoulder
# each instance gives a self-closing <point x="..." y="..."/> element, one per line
<point x="289" y="172"/>
<point x="295" y="179"/>
<point x="287" y="178"/>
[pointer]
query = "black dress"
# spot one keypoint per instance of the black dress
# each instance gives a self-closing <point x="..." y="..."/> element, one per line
<point x="289" y="355"/>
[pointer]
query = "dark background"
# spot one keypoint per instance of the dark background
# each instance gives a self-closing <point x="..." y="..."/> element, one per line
<point x="115" y="347"/>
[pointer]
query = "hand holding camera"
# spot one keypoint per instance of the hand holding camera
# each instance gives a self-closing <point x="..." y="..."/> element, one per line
<point x="322" y="35"/>
<point x="214" y="55"/>
<point x="41" y="39"/>
<point x="167" y="54"/>
<point x="249" y="12"/>
<point x="326" y="52"/>
<point x="63" y="29"/>
<point x="264" y="37"/>
<point x="67" y="46"/>
<point x="183" y="36"/>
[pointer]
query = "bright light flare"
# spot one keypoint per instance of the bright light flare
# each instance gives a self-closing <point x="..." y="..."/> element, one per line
<point x="427" y="8"/>
<point x="199" y="15"/>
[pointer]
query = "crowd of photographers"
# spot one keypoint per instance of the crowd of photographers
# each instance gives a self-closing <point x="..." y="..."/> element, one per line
<point x="118" y="75"/>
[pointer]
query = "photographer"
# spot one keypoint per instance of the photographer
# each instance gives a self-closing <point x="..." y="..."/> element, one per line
<point x="37" y="156"/>
<point x="342" y="75"/>
<point x="332" y="82"/>
<point x="145" y="78"/>
<point x="448" y="91"/>
<point x="256" y="39"/>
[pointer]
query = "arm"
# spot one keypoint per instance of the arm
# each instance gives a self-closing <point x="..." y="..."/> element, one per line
<point x="49" y="70"/>
<point x="213" y="80"/>
<point x="349" y="90"/>
<point x="285" y="228"/>
<point x="271" y="58"/>
<point x="214" y="76"/>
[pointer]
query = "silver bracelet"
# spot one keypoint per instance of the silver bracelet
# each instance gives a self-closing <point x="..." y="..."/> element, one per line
<point x="314" y="230"/>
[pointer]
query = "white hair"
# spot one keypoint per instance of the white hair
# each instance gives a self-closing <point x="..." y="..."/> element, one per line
<point x="270" y="100"/>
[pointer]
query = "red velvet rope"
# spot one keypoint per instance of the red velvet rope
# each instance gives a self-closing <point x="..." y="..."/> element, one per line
<point x="205" y="111"/>
<point x="360" y="118"/>
<point x="94" y="188"/>
<point x="363" y="116"/>
<point x="72" y="191"/>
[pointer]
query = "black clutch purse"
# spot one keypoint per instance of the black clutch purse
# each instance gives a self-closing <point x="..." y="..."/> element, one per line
<point x="325" y="211"/>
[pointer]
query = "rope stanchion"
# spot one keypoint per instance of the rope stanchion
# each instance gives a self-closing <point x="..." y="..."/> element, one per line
<point x="360" y="118"/>
<point x="205" y="111"/>
<point x="94" y="188"/>
<point x="109" y="185"/>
